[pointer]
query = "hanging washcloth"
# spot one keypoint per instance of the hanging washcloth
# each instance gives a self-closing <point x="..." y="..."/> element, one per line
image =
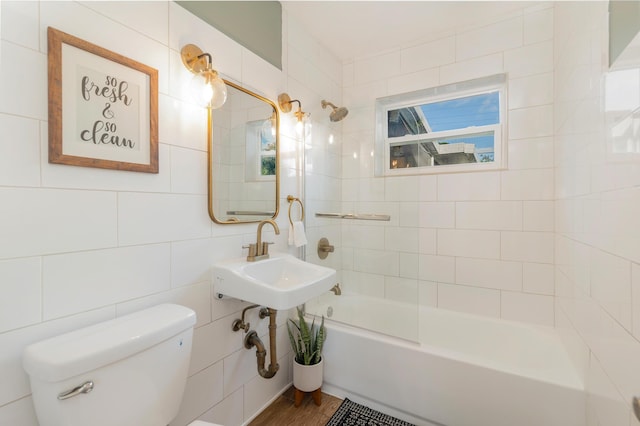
<point x="297" y="236"/>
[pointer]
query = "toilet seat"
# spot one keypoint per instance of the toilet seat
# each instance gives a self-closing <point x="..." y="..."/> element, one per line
<point x="201" y="423"/>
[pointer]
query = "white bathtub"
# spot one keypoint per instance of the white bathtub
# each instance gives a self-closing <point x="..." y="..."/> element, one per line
<point x="467" y="371"/>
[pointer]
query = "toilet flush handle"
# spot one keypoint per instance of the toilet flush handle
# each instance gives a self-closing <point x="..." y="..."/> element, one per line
<point x="86" y="387"/>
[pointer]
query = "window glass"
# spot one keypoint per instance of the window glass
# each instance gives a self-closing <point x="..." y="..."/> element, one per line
<point x="454" y="125"/>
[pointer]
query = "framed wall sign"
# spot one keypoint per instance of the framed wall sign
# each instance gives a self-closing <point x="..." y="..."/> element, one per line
<point x="103" y="107"/>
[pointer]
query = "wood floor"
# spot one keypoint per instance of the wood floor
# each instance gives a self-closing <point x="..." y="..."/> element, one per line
<point x="283" y="413"/>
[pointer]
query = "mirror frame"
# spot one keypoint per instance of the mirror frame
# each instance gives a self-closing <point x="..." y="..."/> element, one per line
<point x="210" y="159"/>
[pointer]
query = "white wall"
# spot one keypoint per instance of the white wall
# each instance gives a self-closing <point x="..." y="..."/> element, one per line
<point x="597" y="209"/>
<point x="314" y="75"/>
<point x="473" y="242"/>
<point x="82" y="245"/>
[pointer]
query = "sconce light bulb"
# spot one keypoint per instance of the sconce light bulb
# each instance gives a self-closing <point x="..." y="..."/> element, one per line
<point x="308" y="126"/>
<point x="268" y="129"/>
<point x="209" y="89"/>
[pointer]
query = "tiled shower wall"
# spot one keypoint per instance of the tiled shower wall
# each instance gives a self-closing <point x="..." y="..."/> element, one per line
<point x="475" y="242"/>
<point x="598" y="204"/>
<point x="82" y="245"/>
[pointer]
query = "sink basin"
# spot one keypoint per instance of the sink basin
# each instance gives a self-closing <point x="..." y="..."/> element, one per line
<point x="280" y="282"/>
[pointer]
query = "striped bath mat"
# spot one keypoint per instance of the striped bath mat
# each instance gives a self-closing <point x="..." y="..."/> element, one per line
<point x="351" y="413"/>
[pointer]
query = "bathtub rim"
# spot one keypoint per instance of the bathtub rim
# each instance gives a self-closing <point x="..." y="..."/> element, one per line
<point x="575" y="383"/>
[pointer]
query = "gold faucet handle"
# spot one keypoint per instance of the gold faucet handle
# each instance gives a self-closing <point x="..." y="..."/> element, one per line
<point x="265" y="248"/>
<point x="253" y="249"/>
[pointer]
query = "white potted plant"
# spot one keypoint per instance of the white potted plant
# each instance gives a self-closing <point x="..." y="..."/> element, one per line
<point x="307" y="343"/>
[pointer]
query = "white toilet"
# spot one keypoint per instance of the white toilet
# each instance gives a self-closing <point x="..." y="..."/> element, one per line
<point x="130" y="371"/>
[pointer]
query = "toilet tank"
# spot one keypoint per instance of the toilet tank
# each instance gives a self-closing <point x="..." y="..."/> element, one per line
<point x="137" y="364"/>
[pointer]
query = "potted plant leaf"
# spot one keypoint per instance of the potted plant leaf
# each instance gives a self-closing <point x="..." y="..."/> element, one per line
<point x="307" y="342"/>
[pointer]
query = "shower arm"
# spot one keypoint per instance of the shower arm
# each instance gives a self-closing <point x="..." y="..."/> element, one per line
<point x="325" y="103"/>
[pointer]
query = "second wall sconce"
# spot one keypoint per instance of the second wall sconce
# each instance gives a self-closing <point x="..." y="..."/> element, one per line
<point x="285" y="101"/>
<point x="207" y="86"/>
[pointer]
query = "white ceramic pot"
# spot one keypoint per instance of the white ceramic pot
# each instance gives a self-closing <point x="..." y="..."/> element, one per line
<point x="307" y="378"/>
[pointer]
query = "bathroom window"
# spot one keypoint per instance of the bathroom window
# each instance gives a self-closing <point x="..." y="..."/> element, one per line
<point x="453" y="128"/>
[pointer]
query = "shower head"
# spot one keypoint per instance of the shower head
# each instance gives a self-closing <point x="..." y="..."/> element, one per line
<point x="338" y="113"/>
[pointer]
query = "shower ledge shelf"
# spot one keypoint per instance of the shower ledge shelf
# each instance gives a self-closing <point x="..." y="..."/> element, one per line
<point x="358" y="216"/>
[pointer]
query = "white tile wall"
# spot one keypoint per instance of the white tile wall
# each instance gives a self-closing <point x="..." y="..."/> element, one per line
<point x="20" y="23"/>
<point x="536" y="153"/>
<point x="188" y="171"/>
<point x="531" y="91"/>
<point x="468" y="235"/>
<point x="41" y="221"/>
<point x="529" y="60"/>
<point x="428" y="55"/>
<point x="474" y="300"/>
<point x="182" y="218"/>
<point x="485" y="241"/>
<point x="22" y="82"/>
<point x="538" y="278"/>
<point x="596" y="221"/>
<point x="378" y="67"/>
<point x="531" y="122"/>
<point x="20" y="412"/>
<point x="19" y="151"/>
<point x="414" y="81"/>
<point x="437" y="268"/>
<point x="469" y="186"/>
<point x="472" y="68"/>
<point x="437" y="215"/>
<point x="530" y="184"/>
<point x="538" y="25"/>
<point x="116" y="275"/>
<point x="496" y="215"/>
<point x="532" y="308"/>
<point x="203" y="390"/>
<point x="538" y="216"/>
<point x="494" y="38"/>
<point x="489" y="273"/>
<point x="401" y="289"/>
<point x="83" y="245"/>
<point x="227" y="412"/>
<point x="469" y="243"/>
<point x="20" y="293"/>
<point x="527" y="246"/>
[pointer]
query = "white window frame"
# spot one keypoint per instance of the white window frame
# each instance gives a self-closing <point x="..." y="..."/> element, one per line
<point x="453" y="91"/>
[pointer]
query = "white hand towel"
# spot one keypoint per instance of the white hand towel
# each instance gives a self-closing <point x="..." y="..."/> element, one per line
<point x="290" y="233"/>
<point x="299" y="237"/>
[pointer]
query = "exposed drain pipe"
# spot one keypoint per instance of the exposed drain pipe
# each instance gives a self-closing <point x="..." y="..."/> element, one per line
<point x="252" y="340"/>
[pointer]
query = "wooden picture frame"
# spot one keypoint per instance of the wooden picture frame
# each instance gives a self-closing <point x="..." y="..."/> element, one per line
<point x="103" y="107"/>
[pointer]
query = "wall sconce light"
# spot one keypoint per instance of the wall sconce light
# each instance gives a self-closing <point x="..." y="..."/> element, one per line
<point x="285" y="101"/>
<point x="207" y="87"/>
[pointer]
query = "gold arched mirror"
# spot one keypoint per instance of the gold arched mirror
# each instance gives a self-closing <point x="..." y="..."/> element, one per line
<point x="244" y="178"/>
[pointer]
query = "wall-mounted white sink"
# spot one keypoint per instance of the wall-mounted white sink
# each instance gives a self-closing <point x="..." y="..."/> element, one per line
<point x="280" y="282"/>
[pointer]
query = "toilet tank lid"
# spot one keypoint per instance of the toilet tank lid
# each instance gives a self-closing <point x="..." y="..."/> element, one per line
<point x="92" y="347"/>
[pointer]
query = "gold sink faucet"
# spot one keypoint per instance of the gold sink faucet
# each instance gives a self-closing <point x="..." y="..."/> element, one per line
<point x="260" y="250"/>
